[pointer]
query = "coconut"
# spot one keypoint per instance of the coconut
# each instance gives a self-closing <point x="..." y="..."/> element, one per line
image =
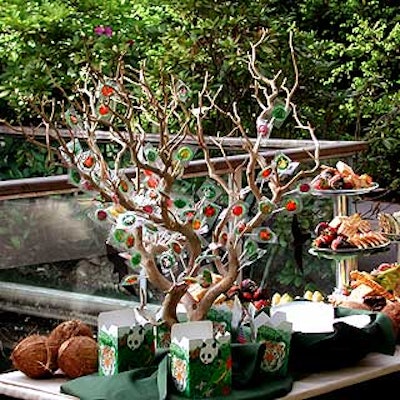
<point x="32" y="356"/>
<point x="78" y="356"/>
<point x="392" y="310"/>
<point x="63" y="332"/>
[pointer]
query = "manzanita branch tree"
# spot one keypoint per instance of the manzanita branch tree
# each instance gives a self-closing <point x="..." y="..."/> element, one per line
<point x="178" y="236"/>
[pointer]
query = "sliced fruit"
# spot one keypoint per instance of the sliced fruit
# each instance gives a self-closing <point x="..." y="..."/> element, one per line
<point x="320" y="227"/>
<point x="276" y="298"/>
<point x="308" y="295"/>
<point x="317" y="296"/>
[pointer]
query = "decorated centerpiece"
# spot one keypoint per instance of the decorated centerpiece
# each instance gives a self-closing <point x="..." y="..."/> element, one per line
<point x="172" y="231"/>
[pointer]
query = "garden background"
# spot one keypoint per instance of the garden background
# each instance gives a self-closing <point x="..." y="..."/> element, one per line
<point x="348" y="55"/>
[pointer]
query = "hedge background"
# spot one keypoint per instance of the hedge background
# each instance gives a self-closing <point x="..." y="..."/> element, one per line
<point x="348" y="55"/>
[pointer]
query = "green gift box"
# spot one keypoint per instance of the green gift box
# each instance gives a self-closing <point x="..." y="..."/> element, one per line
<point x="124" y="343"/>
<point x="201" y="362"/>
<point x="162" y="331"/>
<point x="276" y="335"/>
<point x="226" y="316"/>
<point x="162" y="335"/>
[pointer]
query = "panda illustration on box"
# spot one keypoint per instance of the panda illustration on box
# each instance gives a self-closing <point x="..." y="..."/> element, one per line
<point x="135" y="337"/>
<point x="208" y="351"/>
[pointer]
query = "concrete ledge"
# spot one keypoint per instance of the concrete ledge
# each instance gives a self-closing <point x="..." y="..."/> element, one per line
<point x="58" y="304"/>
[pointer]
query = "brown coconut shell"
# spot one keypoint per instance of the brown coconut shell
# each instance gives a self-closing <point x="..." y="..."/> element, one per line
<point x="63" y="332"/>
<point x="78" y="356"/>
<point x="32" y="357"/>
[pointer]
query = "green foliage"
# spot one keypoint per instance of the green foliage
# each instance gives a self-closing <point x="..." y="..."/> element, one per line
<point x="46" y="43"/>
<point x="19" y="159"/>
<point x="347" y="55"/>
<point x="355" y="46"/>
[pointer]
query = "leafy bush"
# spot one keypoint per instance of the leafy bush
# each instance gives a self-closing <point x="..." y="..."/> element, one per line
<point x="347" y="54"/>
<point x="24" y="160"/>
<point x="355" y="49"/>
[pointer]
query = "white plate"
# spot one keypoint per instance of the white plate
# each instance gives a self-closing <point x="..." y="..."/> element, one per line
<point x="358" y="321"/>
<point x="307" y="316"/>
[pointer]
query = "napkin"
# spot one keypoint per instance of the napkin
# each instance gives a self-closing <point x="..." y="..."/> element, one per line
<point x="152" y="382"/>
<point x="345" y="346"/>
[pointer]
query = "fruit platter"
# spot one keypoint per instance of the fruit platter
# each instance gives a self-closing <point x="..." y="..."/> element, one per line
<point x="372" y="290"/>
<point x="347" y="234"/>
<point x="341" y="180"/>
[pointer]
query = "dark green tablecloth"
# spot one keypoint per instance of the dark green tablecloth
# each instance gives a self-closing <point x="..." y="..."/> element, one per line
<point x="309" y="353"/>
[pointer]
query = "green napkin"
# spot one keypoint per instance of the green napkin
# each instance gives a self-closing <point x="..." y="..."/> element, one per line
<point x="152" y="383"/>
<point x="345" y="346"/>
<point x="380" y="330"/>
<point x="142" y="382"/>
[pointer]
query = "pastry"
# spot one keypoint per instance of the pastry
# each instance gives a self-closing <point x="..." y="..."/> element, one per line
<point x="357" y="278"/>
<point x="389" y="223"/>
<point x="348" y="232"/>
<point x="340" y="178"/>
<point x="392" y="310"/>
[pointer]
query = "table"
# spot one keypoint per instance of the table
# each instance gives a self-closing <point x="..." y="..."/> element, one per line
<point x="18" y="385"/>
<point x="374" y="365"/>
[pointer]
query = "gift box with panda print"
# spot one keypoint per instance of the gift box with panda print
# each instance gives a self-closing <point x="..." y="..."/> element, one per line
<point x="201" y="362"/>
<point x="124" y="341"/>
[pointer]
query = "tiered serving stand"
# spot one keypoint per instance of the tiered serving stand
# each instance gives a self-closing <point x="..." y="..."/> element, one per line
<point x="346" y="259"/>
